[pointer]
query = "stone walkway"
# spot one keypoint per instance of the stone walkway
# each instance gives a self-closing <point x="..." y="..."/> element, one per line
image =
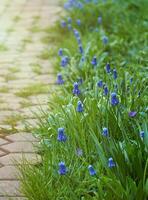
<point x="25" y="78"/>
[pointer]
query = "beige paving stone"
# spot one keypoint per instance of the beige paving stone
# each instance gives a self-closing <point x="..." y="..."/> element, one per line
<point x="9" y="173"/>
<point x="9" y="188"/>
<point x="19" y="158"/>
<point x="22" y="137"/>
<point x="3" y="141"/>
<point x="13" y="198"/>
<point x="19" y="147"/>
<point x="2" y="153"/>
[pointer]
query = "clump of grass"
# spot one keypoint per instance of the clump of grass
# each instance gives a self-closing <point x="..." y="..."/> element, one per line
<point x="36" y="68"/>
<point x="3" y="47"/>
<point x="45" y="54"/>
<point x="17" y="18"/>
<point x="33" y="89"/>
<point x="4" y="89"/>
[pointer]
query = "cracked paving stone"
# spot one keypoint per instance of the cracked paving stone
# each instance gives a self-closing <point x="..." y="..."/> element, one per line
<point x="9" y="188"/>
<point x="22" y="137"/>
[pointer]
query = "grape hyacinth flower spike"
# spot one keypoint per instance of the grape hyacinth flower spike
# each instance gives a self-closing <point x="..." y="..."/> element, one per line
<point x="132" y="113"/>
<point x="105" y="132"/>
<point x="80" y="107"/>
<point x="92" y="171"/>
<point x="63" y="24"/>
<point x="94" y="61"/>
<point x="108" y="70"/>
<point x="114" y="74"/>
<point x="142" y="134"/>
<point x="105" y="40"/>
<point x="111" y="163"/>
<point x="99" y="19"/>
<point x="60" y="80"/>
<point x="61" y="135"/>
<point x="64" y="61"/>
<point x="78" y="22"/>
<point x="114" y="99"/>
<point x="62" y="168"/>
<point x="105" y="90"/>
<point x="76" y="90"/>
<point x="60" y="52"/>
<point x="100" y="83"/>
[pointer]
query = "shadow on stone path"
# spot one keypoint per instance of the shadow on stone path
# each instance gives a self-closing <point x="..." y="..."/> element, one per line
<point x="25" y="78"/>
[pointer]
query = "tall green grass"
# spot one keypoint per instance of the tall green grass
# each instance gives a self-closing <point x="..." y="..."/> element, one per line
<point x="125" y="24"/>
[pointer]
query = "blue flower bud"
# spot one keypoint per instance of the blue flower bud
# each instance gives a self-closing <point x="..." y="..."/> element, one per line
<point x="114" y="99"/>
<point x="108" y="70"/>
<point x="105" y="90"/>
<point x="105" y="132"/>
<point x="60" y="80"/>
<point x="63" y="24"/>
<point x="114" y="74"/>
<point x="80" y="107"/>
<point x="132" y="113"/>
<point x="81" y="49"/>
<point x="62" y="168"/>
<point x="142" y="134"/>
<point x="94" y="61"/>
<point x="100" y="83"/>
<point x="111" y="163"/>
<point x="76" y="90"/>
<point x="99" y="19"/>
<point x="69" y="19"/>
<point x="60" y="52"/>
<point x="69" y="27"/>
<point x="105" y="40"/>
<point x="78" y="21"/>
<point x="61" y="135"/>
<point x="92" y="172"/>
<point x="64" y="61"/>
<point x="79" y="152"/>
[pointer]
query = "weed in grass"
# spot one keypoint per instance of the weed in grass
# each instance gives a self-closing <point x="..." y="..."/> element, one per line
<point x="36" y="68"/>
<point x="4" y="89"/>
<point x="3" y="47"/>
<point x="33" y="89"/>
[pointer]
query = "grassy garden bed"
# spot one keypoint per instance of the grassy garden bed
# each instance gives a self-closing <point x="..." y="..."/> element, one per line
<point x="95" y="142"/>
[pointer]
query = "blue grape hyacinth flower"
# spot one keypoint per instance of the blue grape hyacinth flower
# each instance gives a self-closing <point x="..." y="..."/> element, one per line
<point x="108" y="69"/>
<point x="105" y="90"/>
<point x="114" y="99"/>
<point x="69" y="19"/>
<point x="99" y="19"/>
<point x="60" y="52"/>
<point x="141" y="134"/>
<point x="94" y="61"/>
<point x="92" y="171"/>
<point x="111" y="163"/>
<point x="60" y="80"/>
<point x="132" y="113"/>
<point x="79" y="152"/>
<point x="80" y="107"/>
<point x="61" y="135"/>
<point x="62" y="168"/>
<point x="64" y="61"/>
<point x="63" y="24"/>
<point x="76" y="90"/>
<point x="105" y="132"/>
<point x="114" y="74"/>
<point x="78" y="21"/>
<point x="81" y="49"/>
<point x="100" y="83"/>
<point x="105" y="40"/>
